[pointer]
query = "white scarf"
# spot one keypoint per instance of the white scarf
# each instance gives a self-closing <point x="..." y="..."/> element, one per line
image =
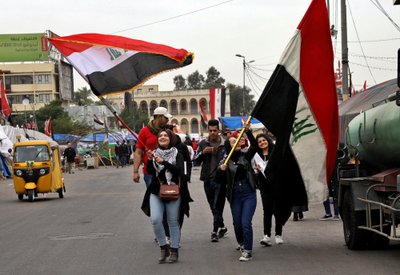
<point x="168" y="155"/>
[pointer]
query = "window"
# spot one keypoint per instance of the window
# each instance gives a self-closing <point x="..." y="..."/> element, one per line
<point x="21" y="79"/>
<point x="42" y="79"/>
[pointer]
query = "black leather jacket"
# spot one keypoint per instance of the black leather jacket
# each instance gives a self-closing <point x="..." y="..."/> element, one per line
<point x="207" y="171"/>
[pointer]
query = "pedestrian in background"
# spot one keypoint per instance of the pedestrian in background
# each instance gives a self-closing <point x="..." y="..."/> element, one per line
<point x="209" y="153"/>
<point x="69" y="154"/>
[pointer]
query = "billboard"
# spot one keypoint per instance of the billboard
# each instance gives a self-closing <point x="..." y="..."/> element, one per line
<point x="66" y="80"/>
<point x="23" y="47"/>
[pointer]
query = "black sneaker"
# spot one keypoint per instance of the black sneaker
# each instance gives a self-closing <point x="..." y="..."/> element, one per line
<point x="222" y="232"/>
<point x="214" y="237"/>
<point x="326" y="217"/>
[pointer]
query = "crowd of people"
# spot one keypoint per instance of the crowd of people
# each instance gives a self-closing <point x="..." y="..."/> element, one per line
<point x="231" y="170"/>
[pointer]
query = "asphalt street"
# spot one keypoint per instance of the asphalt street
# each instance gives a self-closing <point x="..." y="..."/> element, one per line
<point x="98" y="228"/>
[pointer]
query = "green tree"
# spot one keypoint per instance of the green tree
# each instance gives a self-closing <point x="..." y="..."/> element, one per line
<point x="213" y="79"/>
<point x="82" y="97"/>
<point x="180" y="83"/>
<point x="62" y="123"/>
<point x="237" y="102"/>
<point x="195" y="81"/>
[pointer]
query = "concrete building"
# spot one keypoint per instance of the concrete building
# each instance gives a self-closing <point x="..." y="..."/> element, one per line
<point x="183" y="105"/>
<point x="30" y="86"/>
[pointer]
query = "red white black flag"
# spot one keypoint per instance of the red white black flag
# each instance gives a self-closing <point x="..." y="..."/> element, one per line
<point x="5" y="108"/>
<point x="112" y="64"/>
<point x="299" y="106"/>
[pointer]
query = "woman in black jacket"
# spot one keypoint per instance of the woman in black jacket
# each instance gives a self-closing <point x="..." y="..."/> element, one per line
<point x="241" y="193"/>
<point x="166" y="168"/>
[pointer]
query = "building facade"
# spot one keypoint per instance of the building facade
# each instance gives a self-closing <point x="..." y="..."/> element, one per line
<point x="184" y="106"/>
<point x="30" y="86"/>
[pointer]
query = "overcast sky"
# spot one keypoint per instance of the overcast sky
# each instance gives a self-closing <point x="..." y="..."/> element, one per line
<point x="217" y="30"/>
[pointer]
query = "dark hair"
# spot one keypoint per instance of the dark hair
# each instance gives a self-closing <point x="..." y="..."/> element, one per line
<point x="168" y="126"/>
<point x="171" y="135"/>
<point x="271" y="143"/>
<point x="213" y="122"/>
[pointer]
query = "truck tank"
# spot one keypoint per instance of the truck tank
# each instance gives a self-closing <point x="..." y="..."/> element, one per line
<point x="374" y="136"/>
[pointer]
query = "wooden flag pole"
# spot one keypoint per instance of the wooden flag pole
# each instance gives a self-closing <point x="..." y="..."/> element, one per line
<point x="237" y="141"/>
<point x="114" y="112"/>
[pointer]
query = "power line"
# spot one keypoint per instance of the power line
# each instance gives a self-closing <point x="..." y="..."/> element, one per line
<point x="379" y="6"/>
<point x="358" y="38"/>
<point x="375" y="68"/>
<point x="173" y="17"/>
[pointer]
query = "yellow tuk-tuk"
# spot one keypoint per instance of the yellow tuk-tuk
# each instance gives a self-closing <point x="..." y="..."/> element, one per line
<point x="36" y="169"/>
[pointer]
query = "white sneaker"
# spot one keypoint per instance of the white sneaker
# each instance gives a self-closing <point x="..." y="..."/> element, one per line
<point x="266" y="241"/>
<point x="240" y="248"/>
<point x="246" y="256"/>
<point x="278" y="239"/>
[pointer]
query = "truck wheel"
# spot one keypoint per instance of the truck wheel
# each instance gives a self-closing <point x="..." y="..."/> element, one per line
<point x="31" y="195"/>
<point x="355" y="238"/>
<point x="20" y="197"/>
<point x="60" y="193"/>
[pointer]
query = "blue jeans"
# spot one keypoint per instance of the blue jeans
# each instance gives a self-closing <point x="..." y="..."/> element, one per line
<point x="243" y="206"/>
<point x="215" y="193"/>
<point x="147" y="179"/>
<point x="327" y="207"/>
<point x="157" y="209"/>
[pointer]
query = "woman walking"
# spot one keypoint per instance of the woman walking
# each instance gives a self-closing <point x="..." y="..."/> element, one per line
<point x="265" y="145"/>
<point x="241" y="194"/>
<point x="165" y="165"/>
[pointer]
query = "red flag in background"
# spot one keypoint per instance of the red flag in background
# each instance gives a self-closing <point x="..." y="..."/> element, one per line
<point x="365" y="85"/>
<point x="5" y="108"/>
<point x="48" y="127"/>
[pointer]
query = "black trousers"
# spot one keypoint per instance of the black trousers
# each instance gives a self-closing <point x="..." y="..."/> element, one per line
<point x="216" y="196"/>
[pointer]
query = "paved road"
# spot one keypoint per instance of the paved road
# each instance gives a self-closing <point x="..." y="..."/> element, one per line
<point x="98" y="228"/>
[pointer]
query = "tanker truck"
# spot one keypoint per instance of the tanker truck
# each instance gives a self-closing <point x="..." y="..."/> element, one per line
<point x="369" y="187"/>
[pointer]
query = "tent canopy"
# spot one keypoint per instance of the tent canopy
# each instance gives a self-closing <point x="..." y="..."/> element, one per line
<point x="113" y="137"/>
<point x="236" y="122"/>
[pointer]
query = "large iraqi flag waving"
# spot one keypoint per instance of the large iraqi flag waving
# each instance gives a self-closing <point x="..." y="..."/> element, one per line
<point x="299" y="106"/>
<point x="112" y="64"/>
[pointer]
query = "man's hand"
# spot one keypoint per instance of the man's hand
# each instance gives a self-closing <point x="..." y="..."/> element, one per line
<point x="136" y="176"/>
<point x="223" y="167"/>
<point x="208" y="150"/>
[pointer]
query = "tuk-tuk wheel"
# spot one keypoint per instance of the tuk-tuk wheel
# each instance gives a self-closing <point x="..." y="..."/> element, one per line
<point x="31" y="195"/>
<point x="20" y="197"/>
<point x="60" y="193"/>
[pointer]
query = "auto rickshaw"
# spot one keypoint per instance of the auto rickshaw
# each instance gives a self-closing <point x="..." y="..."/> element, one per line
<point x="36" y="169"/>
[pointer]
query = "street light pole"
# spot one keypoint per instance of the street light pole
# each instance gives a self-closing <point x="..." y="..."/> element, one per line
<point x="244" y="78"/>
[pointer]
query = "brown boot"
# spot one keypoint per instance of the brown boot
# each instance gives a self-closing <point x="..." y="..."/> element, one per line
<point x="164" y="254"/>
<point x="173" y="258"/>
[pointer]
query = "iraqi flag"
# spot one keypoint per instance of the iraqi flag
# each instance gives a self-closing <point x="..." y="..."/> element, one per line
<point x="217" y="102"/>
<point x="97" y="119"/>
<point x="299" y="106"/>
<point x="112" y="64"/>
<point x="5" y="107"/>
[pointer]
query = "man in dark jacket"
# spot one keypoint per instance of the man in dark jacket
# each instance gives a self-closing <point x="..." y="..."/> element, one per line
<point x="210" y="152"/>
<point x="69" y="154"/>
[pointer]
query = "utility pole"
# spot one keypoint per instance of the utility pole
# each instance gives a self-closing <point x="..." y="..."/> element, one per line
<point x="345" y="53"/>
<point x="244" y="79"/>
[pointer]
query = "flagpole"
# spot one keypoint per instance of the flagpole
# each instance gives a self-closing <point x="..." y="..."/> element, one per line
<point x="114" y="112"/>
<point x="237" y="140"/>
